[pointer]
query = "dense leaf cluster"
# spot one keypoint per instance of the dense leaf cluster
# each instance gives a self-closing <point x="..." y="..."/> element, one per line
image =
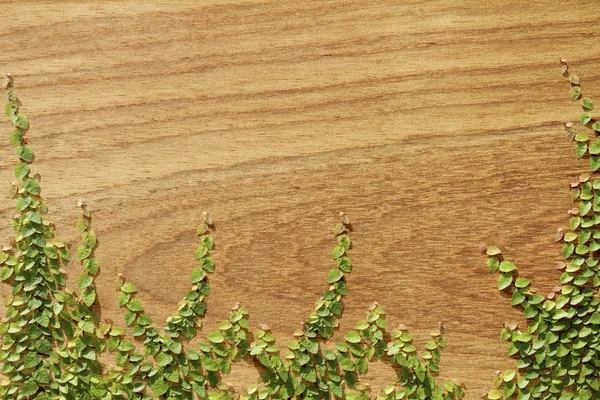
<point x="51" y="338"/>
<point x="559" y="351"/>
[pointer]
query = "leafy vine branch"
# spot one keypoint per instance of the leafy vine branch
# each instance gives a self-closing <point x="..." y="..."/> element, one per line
<point x="51" y="338"/>
<point x="558" y="352"/>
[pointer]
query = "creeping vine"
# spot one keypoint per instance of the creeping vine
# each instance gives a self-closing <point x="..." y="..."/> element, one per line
<point x="558" y="352"/>
<point x="51" y="338"/>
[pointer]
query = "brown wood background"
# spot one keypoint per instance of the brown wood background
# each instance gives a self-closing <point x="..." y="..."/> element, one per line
<point x="436" y="125"/>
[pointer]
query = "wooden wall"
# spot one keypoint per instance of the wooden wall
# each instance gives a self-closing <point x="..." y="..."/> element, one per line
<point x="436" y="125"/>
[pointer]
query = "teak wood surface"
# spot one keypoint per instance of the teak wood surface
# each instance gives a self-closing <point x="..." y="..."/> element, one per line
<point x="436" y="125"/>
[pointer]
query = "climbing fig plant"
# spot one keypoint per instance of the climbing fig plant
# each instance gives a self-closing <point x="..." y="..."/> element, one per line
<point x="51" y="338"/>
<point x="558" y="352"/>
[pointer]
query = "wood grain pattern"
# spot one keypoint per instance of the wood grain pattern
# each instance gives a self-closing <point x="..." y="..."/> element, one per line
<point x="436" y="125"/>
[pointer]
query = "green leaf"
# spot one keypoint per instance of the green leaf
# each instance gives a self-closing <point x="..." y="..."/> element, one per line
<point x="344" y="241"/>
<point x="16" y="138"/>
<point x="507" y="266"/>
<point x="51" y="252"/>
<point x="344" y="264"/>
<point x="334" y="275"/>
<point x="23" y="202"/>
<point x="86" y="326"/>
<point x="21" y="170"/>
<point x="159" y="388"/>
<point x="215" y="337"/>
<point x="135" y="305"/>
<point x="197" y="275"/>
<point x="83" y="252"/>
<point x="575" y="92"/>
<point x="585" y="118"/>
<point x="587" y="103"/>
<point x="163" y="359"/>
<point x="88" y="295"/>
<point x="574" y="79"/>
<point x="91" y="265"/>
<point x="11" y="107"/>
<point x="594" y="163"/>
<point x="338" y="251"/>
<point x="84" y="281"/>
<point x="582" y="137"/>
<point x="493" y="251"/>
<point x="20" y="121"/>
<point x="494" y="394"/>
<point x="89" y="238"/>
<point x="596" y="126"/>
<point x="361" y="325"/>
<point x="493" y="264"/>
<point x="128" y="288"/>
<point x="504" y="281"/>
<point x="568" y="249"/>
<point x="580" y="149"/>
<point x="6" y="273"/>
<point x="522" y="282"/>
<point x="123" y="299"/>
<point x="32" y="186"/>
<point x="29" y="388"/>
<point x="353" y="337"/>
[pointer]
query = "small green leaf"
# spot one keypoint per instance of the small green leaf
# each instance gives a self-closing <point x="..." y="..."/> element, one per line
<point x="89" y="238"/>
<point x="338" y="251"/>
<point x="594" y="148"/>
<point x="574" y="79"/>
<point x="197" y="275"/>
<point x="84" y="281"/>
<point x="135" y="305"/>
<point x="570" y="236"/>
<point x="353" y="337"/>
<point x="128" y="288"/>
<point x="334" y="275"/>
<point x="574" y="223"/>
<point x="163" y="359"/>
<point x="493" y="264"/>
<point x="344" y="240"/>
<point x="575" y="92"/>
<point x="522" y="283"/>
<point x="587" y="103"/>
<point x="216" y="337"/>
<point x="20" y="121"/>
<point x="16" y="138"/>
<point x="504" y="281"/>
<point x="159" y="387"/>
<point x="344" y="264"/>
<point x="585" y="118"/>
<point x="32" y="186"/>
<point x="91" y="265"/>
<point x="568" y="249"/>
<point x="83" y="252"/>
<point x="21" y="170"/>
<point x="582" y="137"/>
<point x="29" y="388"/>
<point x="23" y="203"/>
<point x="6" y="273"/>
<point x="507" y="266"/>
<point x="88" y="295"/>
<point x="594" y="163"/>
<point x="580" y="149"/>
<point x="11" y="107"/>
<point x="493" y="251"/>
<point x="596" y="126"/>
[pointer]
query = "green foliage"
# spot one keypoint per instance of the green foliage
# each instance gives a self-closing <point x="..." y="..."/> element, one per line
<point x="52" y="338"/>
<point x="558" y="350"/>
